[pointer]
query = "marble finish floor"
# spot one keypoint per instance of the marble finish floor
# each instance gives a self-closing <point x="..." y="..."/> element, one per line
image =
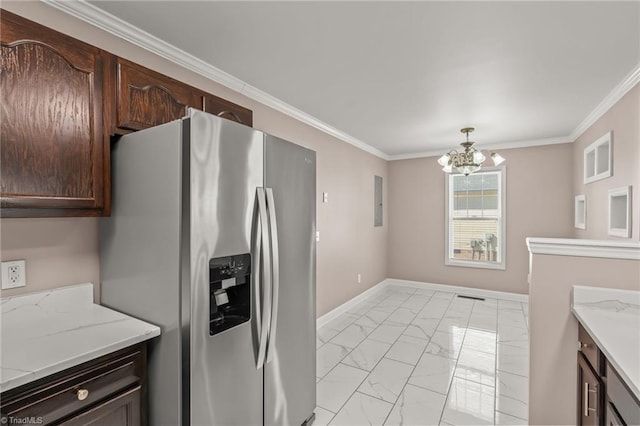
<point x="408" y="356"/>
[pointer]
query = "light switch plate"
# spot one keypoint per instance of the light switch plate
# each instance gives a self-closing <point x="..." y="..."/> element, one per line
<point x="13" y="274"/>
<point x="325" y="197"/>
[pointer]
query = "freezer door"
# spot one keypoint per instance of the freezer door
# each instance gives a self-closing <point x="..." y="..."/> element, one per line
<point x="290" y="371"/>
<point x="226" y="168"/>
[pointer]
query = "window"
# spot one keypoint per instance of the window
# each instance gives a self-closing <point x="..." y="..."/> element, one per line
<point x="475" y="219"/>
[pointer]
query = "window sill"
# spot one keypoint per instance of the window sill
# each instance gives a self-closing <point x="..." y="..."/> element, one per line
<point x="475" y="264"/>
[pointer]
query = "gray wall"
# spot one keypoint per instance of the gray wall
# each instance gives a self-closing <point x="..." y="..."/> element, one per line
<point x="539" y="203"/>
<point x="624" y="119"/>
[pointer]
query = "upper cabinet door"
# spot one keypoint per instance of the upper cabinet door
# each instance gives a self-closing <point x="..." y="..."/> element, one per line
<point x="225" y="109"/>
<point x="53" y="149"/>
<point x="145" y="98"/>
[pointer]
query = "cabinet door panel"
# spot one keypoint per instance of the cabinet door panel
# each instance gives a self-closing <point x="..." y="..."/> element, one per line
<point x="146" y="98"/>
<point x="590" y="394"/>
<point x="225" y="109"/>
<point x="53" y="151"/>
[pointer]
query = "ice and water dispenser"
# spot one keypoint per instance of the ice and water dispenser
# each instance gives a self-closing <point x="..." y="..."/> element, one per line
<point x="230" y="292"/>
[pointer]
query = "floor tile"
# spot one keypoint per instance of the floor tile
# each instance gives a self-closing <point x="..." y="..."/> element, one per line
<point x="328" y="357"/>
<point x="483" y="322"/>
<point x="433" y="372"/>
<point x="450" y="324"/>
<point x="326" y="333"/>
<point x="401" y="316"/>
<point x="469" y="403"/>
<point x="361" y="308"/>
<point x="510" y="334"/>
<point x="387" y="332"/>
<point x="323" y="417"/>
<point x="351" y="336"/>
<point x="342" y="321"/>
<point x="444" y="295"/>
<point x="435" y="308"/>
<point x="416" y="303"/>
<point x="424" y="292"/>
<point x="422" y="328"/>
<point x="513" y="359"/>
<point x="394" y="347"/>
<point x="407" y="349"/>
<point x="362" y="410"/>
<point x="509" y="304"/>
<point x="373" y="317"/>
<point x="386" y="380"/>
<point x="367" y="354"/>
<point x="478" y="340"/>
<point x="446" y="344"/>
<point x="417" y="406"/>
<point x="505" y="419"/>
<point x="512" y="395"/>
<point x="479" y="367"/>
<point x="338" y="386"/>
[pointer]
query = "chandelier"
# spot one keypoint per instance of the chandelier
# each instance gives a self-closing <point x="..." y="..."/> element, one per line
<point x="468" y="161"/>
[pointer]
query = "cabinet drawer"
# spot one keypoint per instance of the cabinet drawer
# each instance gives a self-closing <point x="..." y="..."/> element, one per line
<point x="122" y="410"/>
<point x="53" y="399"/>
<point x="590" y="350"/>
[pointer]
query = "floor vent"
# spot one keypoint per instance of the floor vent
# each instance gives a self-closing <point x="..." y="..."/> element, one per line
<point x="470" y="297"/>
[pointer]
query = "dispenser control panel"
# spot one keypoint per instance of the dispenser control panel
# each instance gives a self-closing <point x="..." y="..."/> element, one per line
<point x="229" y="291"/>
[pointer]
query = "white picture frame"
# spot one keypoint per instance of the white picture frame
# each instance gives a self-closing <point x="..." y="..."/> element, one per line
<point x="580" y="212"/>
<point x="619" y="219"/>
<point x="598" y="159"/>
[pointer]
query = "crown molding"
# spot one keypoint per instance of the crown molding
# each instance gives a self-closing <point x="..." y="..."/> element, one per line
<point x="608" y="249"/>
<point x="97" y="17"/>
<point x="610" y="100"/>
<point x="491" y="147"/>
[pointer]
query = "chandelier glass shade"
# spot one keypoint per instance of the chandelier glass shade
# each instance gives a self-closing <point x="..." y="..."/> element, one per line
<point x="468" y="161"/>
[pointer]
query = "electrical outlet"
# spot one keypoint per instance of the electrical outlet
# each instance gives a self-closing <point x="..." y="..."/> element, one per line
<point x="359" y="278"/>
<point x="13" y="274"/>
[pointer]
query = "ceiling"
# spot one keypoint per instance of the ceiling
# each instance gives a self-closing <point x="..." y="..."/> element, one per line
<point x="404" y="77"/>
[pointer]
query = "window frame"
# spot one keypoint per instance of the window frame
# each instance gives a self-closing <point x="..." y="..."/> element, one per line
<point x="502" y="223"/>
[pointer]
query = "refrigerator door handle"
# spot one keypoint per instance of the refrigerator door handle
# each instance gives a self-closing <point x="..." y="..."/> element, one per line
<point x="263" y="293"/>
<point x="275" y="259"/>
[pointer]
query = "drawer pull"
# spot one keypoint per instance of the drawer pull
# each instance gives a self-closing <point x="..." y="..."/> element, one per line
<point x="82" y="394"/>
<point x="582" y="346"/>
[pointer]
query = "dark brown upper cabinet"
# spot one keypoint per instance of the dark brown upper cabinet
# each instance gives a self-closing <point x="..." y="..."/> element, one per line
<point x="54" y="158"/>
<point x="61" y="101"/>
<point x="145" y="98"/>
<point x="225" y="109"/>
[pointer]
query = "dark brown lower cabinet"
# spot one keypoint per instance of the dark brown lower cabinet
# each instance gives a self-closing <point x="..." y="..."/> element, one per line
<point x="623" y="408"/>
<point x="123" y="410"/>
<point x="603" y="397"/>
<point x="590" y="394"/>
<point x="110" y="390"/>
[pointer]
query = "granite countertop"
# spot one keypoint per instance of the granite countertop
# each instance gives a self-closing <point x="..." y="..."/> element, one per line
<point x="612" y="318"/>
<point x="47" y="332"/>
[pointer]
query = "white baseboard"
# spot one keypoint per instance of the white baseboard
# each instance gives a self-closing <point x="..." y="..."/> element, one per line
<point x="320" y="321"/>
<point x="477" y="292"/>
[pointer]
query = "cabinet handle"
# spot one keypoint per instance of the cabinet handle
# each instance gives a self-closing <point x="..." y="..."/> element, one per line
<point x="82" y="394"/>
<point x="582" y="346"/>
<point x="585" y="397"/>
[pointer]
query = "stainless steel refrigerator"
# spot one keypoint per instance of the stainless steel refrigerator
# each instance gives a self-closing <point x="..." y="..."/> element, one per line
<point x="212" y="237"/>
